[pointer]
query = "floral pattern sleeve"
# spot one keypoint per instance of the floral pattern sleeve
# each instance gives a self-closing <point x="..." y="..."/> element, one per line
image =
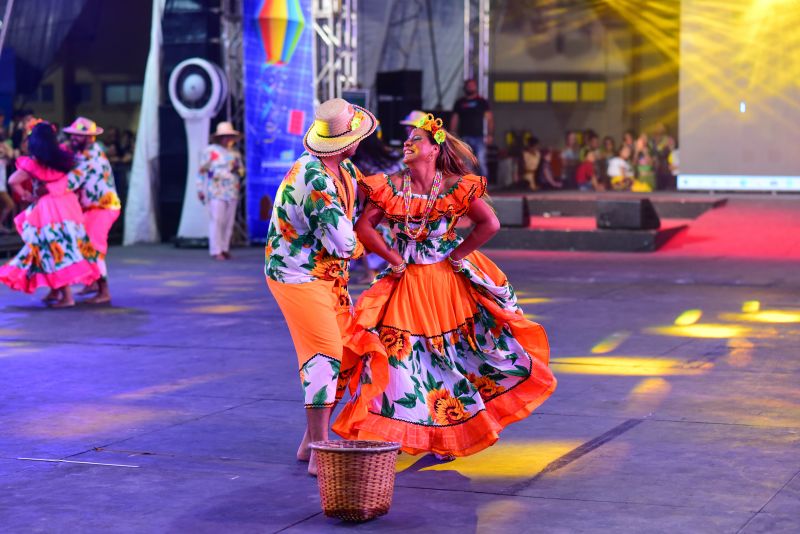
<point x="311" y="233"/>
<point x="326" y="214"/>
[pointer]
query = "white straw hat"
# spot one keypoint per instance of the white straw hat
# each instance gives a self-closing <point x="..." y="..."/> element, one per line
<point x="337" y="126"/>
<point x="226" y="129"/>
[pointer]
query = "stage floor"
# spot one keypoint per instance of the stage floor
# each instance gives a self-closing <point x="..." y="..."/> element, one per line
<point x="184" y="401"/>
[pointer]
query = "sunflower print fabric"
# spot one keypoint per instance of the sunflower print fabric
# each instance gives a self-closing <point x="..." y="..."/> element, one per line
<point x="441" y="361"/>
<point x="311" y="233"/>
<point x="93" y="180"/>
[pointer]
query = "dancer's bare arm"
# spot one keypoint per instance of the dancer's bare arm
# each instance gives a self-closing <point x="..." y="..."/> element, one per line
<point x="371" y="238"/>
<point x="16" y="182"/>
<point x="486" y="225"/>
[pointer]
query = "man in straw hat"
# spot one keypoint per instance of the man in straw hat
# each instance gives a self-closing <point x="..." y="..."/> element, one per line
<point x="309" y="245"/>
<point x="92" y="180"/>
<point x="218" y="183"/>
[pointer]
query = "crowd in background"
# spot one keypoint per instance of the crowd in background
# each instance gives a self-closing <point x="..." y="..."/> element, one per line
<point x="117" y="144"/>
<point x="638" y="162"/>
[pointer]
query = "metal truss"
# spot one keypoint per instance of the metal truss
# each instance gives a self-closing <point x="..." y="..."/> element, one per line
<point x="476" y="43"/>
<point x="334" y="47"/>
<point x="233" y="64"/>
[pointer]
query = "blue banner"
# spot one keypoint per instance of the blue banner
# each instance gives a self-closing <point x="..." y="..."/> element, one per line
<point x="279" y="98"/>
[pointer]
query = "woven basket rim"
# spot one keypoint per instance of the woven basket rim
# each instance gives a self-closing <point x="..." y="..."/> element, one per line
<point x="368" y="446"/>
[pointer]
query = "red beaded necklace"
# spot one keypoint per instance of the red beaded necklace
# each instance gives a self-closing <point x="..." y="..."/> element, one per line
<point x="435" y="188"/>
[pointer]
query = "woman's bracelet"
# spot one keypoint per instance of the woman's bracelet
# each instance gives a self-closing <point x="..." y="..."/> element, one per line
<point x="456" y="264"/>
<point x="399" y="268"/>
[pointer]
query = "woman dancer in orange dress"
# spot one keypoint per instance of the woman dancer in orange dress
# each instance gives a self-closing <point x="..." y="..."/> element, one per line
<point x="440" y="356"/>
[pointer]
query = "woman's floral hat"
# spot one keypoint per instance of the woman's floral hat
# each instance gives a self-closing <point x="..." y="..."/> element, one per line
<point x="337" y="126"/>
<point x="434" y="126"/>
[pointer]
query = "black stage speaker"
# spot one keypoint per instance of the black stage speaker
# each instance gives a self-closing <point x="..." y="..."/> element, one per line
<point x="398" y="93"/>
<point x="190" y="29"/>
<point x="511" y="211"/>
<point x="634" y="214"/>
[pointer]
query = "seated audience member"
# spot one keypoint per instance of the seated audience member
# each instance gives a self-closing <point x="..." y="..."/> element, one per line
<point x="6" y="202"/>
<point x="586" y="174"/>
<point x="620" y="172"/>
<point x="531" y="158"/>
<point x="644" y="161"/>
<point x="544" y="177"/>
<point x="570" y="158"/>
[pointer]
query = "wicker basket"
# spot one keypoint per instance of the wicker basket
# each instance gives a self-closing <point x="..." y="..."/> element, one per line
<point x="356" y="478"/>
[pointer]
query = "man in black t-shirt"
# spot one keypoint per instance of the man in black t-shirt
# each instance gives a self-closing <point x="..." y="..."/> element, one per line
<point x="473" y="122"/>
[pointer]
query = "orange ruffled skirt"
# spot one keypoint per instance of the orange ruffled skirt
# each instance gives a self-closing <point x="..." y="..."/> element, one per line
<point x="442" y="361"/>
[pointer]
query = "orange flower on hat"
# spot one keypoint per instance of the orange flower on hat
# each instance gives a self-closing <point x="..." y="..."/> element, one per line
<point x="397" y="342"/>
<point x="355" y="122"/>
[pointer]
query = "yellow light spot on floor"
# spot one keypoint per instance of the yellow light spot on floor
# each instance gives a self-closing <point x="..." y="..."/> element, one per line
<point x="751" y="306"/>
<point x="16" y="348"/>
<point x="404" y="461"/>
<point x="610" y="343"/>
<point x="222" y="309"/>
<point x="740" y="352"/>
<point x="155" y="291"/>
<point x="180" y="283"/>
<point x="532" y="316"/>
<point x="503" y="515"/>
<point x="137" y="261"/>
<point x="688" y="317"/>
<point x="765" y="316"/>
<point x="508" y="459"/>
<point x="72" y="420"/>
<point x="651" y="386"/>
<point x="113" y="310"/>
<point x="170" y="387"/>
<point x="707" y="331"/>
<point x="10" y="332"/>
<point x="534" y="300"/>
<point x="625" y="366"/>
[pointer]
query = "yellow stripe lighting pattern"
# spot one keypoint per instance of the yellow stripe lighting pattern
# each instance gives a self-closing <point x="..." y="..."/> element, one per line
<point x="752" y="313"/>
<point x="504" y="460"/>
<point x="686" y="325"/>
<point x="704" y="331"/>
<point x="626" y="366"/>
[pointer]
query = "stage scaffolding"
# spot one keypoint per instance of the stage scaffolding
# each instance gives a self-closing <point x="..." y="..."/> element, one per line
<point x="231" y="31"/>
<point x="476" y="43"/>
<point x="334" y="49"/>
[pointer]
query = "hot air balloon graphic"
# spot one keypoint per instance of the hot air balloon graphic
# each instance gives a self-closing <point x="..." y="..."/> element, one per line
<point x="281" y="23"/>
